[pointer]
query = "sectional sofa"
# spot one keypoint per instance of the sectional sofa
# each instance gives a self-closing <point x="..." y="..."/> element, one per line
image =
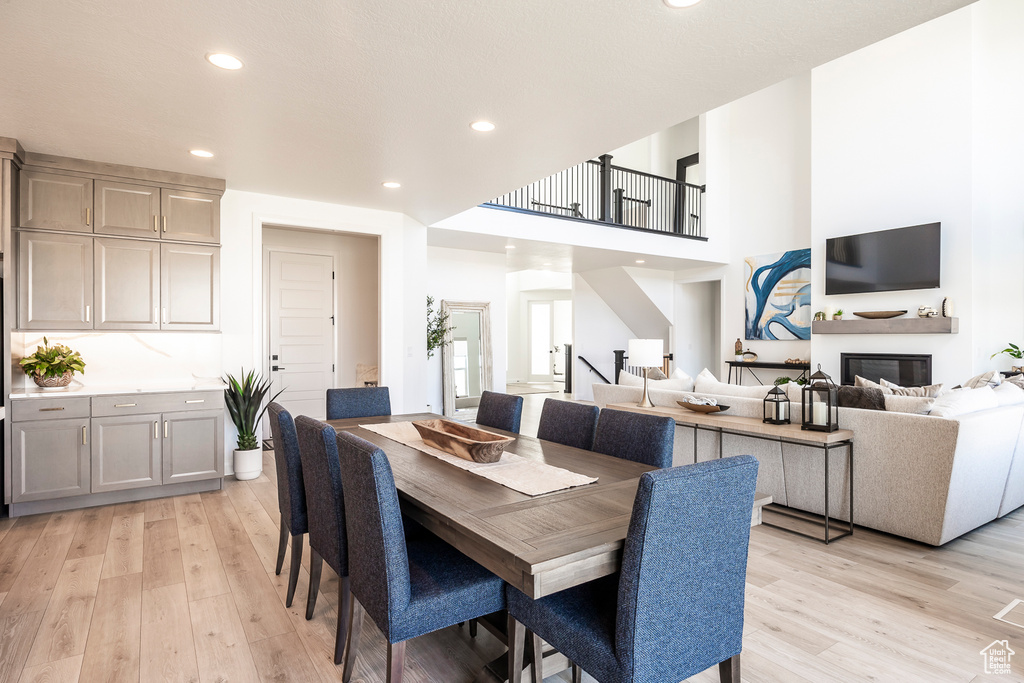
<point x="925" y="477"/>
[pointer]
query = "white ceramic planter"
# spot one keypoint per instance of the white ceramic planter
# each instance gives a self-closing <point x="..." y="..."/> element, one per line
<point x="248" y="464"/>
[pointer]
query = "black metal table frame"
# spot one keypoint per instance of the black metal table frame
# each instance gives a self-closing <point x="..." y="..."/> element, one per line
<point x="827" y="519"/>
<point x="740" y="366"/>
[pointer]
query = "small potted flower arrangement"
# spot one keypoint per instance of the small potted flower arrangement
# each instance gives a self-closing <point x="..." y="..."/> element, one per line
<point x="52" y="367"/>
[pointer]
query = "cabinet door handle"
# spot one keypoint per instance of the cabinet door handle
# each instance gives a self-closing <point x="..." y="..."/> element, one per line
<point x="198" y="400"/>
<point x="84" y="428"/>
<point x="156" y="221"/>
<point x="156" y="429"/>
<point x="46" y="410"/>
<point x="125" y="405"/>
<point x="165" y="429"/>
<point x="165" y="315"/>
<point x="88" y="216"/>
<point x="87" y="313"/>
<point x="165" y="223"/>
<point x="156" y="314"/>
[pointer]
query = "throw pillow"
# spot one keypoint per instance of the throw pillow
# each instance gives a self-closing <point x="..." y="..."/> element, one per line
<point x="986" y="379"/>
<point x="916" y="405"/>
<point x="656" y="373"/>
<point x="1009" y="394"/>
<point x="628" y="379"/>
<point x="707" y="384"/>
<point x="964" y="401"/>
<point x="1016" y="380"/>
<point x="931" y="390"/>
<point x="859" y="381"/>
<point x="866" y="398"/>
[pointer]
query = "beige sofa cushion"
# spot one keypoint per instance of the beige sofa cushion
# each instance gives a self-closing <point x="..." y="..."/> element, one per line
<point x="859" y="381"/>
<point x="684" y="383"/>
<point x="931" y="390"/>
<point x="915" y="405"/>
<point x="964" y="401"/>
<point x="707" y="383"/>
<point x="1009" y="394"/>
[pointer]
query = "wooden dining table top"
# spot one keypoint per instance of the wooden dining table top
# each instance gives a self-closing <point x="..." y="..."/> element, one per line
<point x="539" y="544"/>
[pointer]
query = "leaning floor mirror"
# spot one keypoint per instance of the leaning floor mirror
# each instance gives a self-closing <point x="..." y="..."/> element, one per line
<point x="466" y="360"/>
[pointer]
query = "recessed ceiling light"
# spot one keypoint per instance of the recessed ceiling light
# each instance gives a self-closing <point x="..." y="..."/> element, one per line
<point x="224" y="61"/>
<point x="676" y="4"/>
<point x="640" y="260"/>
<point x="200" y="153"/>
<point x="391" y="184"/>
<point x="510" y="246"/>
<point x="482" y="126"/>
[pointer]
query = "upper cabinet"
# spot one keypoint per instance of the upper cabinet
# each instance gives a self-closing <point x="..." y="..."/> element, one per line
<point x="56" y="202"/>
<point x="126" y="209"/>
<point x="54" y="281"/>
<point x="190" y="216"/>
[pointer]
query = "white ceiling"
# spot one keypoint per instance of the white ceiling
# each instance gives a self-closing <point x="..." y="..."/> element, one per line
<point x="336" y="97"/>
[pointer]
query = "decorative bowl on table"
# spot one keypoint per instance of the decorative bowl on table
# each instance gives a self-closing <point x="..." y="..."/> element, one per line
<point x="879" y="315"/>
<point x="462" y="440"/>
<point x="702" y="407"/>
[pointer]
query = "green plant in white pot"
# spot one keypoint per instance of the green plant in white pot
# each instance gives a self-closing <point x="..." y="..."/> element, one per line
<point x="244" y="401"/>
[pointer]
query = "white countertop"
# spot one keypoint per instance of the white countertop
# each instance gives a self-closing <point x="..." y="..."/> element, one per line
<point x="76" y="389"/>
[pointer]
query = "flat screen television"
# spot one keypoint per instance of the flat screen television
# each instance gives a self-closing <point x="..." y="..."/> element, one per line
<point x="884" y="261"/>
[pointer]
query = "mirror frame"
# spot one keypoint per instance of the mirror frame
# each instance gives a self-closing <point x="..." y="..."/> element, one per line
<point x="448" y="357"/>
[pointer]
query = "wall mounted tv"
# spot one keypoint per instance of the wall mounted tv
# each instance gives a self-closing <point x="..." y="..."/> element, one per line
<point x="884" y="261"/>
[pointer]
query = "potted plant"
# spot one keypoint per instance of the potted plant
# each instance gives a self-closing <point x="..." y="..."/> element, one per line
<point x="244" y="401"/>
<point x="1013" y="351"/>
<point x="437" y="327"/>
<point x="52" y="366"/>
<point x="838" y="315"/>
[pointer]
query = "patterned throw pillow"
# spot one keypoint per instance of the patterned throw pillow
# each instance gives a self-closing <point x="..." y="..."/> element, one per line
<point x="931" y="391"/>
<point x="1017" y="380"/>
<point x="992" y="378"/>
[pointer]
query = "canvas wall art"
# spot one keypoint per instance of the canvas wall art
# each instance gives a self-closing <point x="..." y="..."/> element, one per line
<point x="778" y="295"/>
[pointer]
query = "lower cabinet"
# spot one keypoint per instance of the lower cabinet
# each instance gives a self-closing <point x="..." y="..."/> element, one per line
<point x="131" y="441"/>
<point x="49" y="459"/>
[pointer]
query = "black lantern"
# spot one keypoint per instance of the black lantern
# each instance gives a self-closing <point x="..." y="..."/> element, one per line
<point x="776" y="407"/>
<point x="820" y="403"/>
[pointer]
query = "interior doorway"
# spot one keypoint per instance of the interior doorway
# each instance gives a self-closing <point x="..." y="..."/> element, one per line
<point x="541" y="335"/>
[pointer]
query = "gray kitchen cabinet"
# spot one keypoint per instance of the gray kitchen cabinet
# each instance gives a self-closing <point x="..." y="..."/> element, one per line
<point x="190" y="216"/>
<point x="49" y="459"/>
<point x="127" y="209"/>
<point x="54" y="201"/>
<point x="126" y="452"/>
<point x="193" y="445"/>
<point x="127" y="284"/>
<point x="189" y="287"/>
<point x="55" y="283"/>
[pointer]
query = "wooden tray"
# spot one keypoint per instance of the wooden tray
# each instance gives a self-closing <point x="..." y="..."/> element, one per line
<point x="462" y="440"/>
<point x="879" y="315"/>
<point x="700" y="408"/>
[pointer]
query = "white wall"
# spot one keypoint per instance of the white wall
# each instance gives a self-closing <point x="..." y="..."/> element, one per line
<point x="463" y="275"/>
<point x="520" y="287"/>
<point x="355" y="291"/>
<point x="758" y="164"/>
<point x="892" y="132"/>
<point x="658" y="153"/>
<point x="597" y="331"/>
<point x="696" y="342"/>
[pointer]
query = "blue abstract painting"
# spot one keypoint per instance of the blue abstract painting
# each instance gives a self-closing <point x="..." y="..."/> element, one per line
<point x="778" y="295"/>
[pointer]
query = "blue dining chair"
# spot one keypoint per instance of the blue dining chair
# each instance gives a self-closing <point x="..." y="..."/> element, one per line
<point x="358" y="402"/>
<point x="291" y="494"/>
<point x="321" y="474"/>
<point x="410" y="585"/>
<point x="568" y="423"/>
<point x="635" y="436"/>
<point x="501" y="411"/>
<point x="676" y="606"/>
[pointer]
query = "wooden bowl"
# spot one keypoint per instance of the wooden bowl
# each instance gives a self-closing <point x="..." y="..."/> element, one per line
<point x="878" y="315"/>
<point x="462" y="440"/>
<point x="700" y="408"/>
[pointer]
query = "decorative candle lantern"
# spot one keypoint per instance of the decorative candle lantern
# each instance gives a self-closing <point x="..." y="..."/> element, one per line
<point x="776" y="407"/>
<point x="820" y="403"/>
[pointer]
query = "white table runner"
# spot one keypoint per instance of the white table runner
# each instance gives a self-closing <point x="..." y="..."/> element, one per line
<point x="517" y="473"/>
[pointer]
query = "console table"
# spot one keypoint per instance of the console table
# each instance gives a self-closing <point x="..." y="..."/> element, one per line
<point x="756" y="429"/>
<point x="740" y="366"/>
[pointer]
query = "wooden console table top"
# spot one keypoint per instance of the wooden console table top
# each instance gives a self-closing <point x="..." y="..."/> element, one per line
<point x="734" y="423"/>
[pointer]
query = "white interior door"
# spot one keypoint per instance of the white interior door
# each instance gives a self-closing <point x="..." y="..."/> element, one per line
<point x="542" y="350"/>
<point x="302" y="330"/>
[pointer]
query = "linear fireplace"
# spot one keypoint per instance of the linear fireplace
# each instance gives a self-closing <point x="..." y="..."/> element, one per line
<point x="905" y="369"/>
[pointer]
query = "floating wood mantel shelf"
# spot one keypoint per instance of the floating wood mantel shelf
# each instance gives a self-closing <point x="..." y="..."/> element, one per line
<point x="913" y="325"/>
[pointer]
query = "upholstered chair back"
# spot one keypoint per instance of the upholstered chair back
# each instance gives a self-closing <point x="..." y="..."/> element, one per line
<point x="358" y="402"/>
<point x="321" y="475"/>
<point x="291" y="496"/>
<point x="571" y="424"/>
<point x="501" y="411"/>
<point x="636" y="436"/>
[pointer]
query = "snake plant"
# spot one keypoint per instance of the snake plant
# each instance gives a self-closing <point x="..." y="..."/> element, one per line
<point x="244" y="400"/>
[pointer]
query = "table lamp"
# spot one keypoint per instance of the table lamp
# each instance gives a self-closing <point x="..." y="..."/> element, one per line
<point x="646" y="353"/>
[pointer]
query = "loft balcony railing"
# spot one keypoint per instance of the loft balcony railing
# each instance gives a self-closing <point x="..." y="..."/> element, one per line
<point x="599" y="192"/>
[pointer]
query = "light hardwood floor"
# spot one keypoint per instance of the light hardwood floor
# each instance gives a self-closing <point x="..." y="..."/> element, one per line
<point x="184" y="589"/>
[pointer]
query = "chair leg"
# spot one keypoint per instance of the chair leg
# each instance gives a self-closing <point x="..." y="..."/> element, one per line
<point x="472" y="628"/>
<point x="396" y="662"/>
<point x="516" y="638"/>
<point x="281" y="545"/>
<point x="344" y="618"/>
<point x="729" y="670"/>
<point x="293" y="576"/>
<point x="536" y="657"/>
<point x="353" y="640"/>
<point x="316" y="565"/>
<point x="577" y="673"/>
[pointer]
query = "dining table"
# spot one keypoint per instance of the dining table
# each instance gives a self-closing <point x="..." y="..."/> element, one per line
<point x="538" y="544"/>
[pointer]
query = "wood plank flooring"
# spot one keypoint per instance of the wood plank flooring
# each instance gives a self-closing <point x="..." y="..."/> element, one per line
<point x="184" y="589"/>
